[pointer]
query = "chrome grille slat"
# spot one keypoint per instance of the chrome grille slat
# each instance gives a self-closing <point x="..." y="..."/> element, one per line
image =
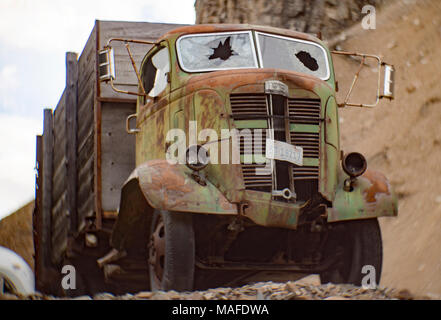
<point x="305" y="172"/>
<point x="251" y="180"/>
<point x="248" y="104"/>
<point x="305" y="111"/>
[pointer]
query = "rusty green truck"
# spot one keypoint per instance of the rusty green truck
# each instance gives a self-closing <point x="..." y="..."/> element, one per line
<point x="225" y="164"/>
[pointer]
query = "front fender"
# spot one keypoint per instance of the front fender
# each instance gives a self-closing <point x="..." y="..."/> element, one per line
<point x="371" y="197"/>
<point x="171" y="187"/>
<point x="160" y="185"/>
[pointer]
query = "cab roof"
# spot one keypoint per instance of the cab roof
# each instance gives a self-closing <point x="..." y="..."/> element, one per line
<point x="212" y="28"/>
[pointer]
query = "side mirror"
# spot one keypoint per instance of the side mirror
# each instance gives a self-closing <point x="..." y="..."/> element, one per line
<point x="388" y="85"/>
<point x="389" y="81"/>
<point x="106" y="65"/>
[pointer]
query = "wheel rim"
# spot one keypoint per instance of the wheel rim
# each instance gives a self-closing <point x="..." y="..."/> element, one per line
<point x="157" y="253"/>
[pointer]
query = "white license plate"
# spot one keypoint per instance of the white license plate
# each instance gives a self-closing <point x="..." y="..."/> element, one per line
<point x="279" y="150"/>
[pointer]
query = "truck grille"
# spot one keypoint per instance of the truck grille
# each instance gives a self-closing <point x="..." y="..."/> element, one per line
<point x="304" y="111"/>
<point x="308" y="141"/>
<point x="244" y="105"/>
<point x="262" y="182"/>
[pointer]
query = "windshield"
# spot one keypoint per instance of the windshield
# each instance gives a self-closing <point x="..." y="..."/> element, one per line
<point x="235" y="50"/>
<point x="220" y="51"/>
<point x="293" y="54"/>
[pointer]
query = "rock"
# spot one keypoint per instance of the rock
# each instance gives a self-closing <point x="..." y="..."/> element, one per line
<point x="336" y="298"/>
<point x="404" y="294"/>
<point x="328" y="17"/>
<point x="82" y="298"/>
<point x="144" y="295"/>
<point x="313" y="280"/>
<point x="104" y="296"/>
<point x="8" y="296"/>
<point x="410" y="88"/>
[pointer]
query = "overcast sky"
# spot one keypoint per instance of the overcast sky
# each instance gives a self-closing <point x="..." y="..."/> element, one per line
<point x="34" y="36"/>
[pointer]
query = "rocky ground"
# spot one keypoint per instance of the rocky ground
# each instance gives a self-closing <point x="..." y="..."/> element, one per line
<point x="298" y="290"/>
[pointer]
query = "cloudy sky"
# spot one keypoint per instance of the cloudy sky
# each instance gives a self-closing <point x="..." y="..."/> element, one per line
<point x="34" y="36"/>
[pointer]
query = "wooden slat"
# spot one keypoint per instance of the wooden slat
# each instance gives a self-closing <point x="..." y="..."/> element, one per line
<point x="71" y="133"/>
<point x="39" y="257"/>
<point x="85" y="129"/>
<point x="48" y="131"/>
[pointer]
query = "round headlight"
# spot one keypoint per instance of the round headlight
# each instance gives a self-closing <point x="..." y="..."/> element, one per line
<point x="197" y="157"/>
<point x="354" y="164"/>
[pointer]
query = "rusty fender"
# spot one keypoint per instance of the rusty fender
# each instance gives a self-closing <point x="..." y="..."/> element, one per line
<point x="371" y="197"/>
<point x="160" y="185"/>
<point x="171" y="187"/>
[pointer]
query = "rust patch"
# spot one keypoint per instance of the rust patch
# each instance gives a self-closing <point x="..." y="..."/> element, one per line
<point x="379" y="184"/>
<point x="232" y="79"/>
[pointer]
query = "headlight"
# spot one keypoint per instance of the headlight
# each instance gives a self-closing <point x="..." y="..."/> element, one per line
<point x="197" y="157"/>
<point x="354" y="164"/>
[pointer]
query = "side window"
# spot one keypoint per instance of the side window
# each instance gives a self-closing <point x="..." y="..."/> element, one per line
<point x="154" y="73"/>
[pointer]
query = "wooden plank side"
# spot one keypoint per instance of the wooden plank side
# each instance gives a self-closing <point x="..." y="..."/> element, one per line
<point x="86" y="62"/>
<point x="71" y="134"/>
<point x="117" y="152"/>
<point x="59" y="186"/>
<point x="86" y="88"/>
<point x="48" y="142"/>
<point x="37" y="226"/>
<point x="86" y="151"/>
<point x="125" y="76"/>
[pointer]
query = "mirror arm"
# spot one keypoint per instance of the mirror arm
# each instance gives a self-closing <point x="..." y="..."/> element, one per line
<point x="124" y="91"/>
<point x="363" y="56"/>
<point x="135" y="68"/>
<point x="130" y="40"/>
<point x="126" y="41"/>
<point x="354" y="81"/>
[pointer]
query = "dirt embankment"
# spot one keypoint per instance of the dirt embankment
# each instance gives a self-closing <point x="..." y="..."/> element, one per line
<point x="16" y="233"/>
<point x="402" y="138"/>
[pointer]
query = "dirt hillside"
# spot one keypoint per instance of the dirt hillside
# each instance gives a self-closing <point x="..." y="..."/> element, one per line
<point x="16" y="233"/>
<point x="402" y="138"/>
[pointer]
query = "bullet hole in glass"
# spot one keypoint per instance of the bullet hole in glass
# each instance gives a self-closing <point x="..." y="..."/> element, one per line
<point x="223" y="50"/>
<point x="307" y="60"/>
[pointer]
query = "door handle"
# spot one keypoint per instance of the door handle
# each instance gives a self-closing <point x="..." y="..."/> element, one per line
<point x="128" y="128"/>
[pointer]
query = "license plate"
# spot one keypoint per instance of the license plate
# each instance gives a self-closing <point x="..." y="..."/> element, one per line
<point x="279" y="150"/>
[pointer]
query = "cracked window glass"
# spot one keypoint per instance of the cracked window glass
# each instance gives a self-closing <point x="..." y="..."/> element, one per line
<point x="154" y="73"/>
<point x="295" y="55"/>
<point x="216" y="52"/>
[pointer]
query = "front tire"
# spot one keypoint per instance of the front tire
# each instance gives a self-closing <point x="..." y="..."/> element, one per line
<point x="171" y="252"/>
<point x="358" y="244"/>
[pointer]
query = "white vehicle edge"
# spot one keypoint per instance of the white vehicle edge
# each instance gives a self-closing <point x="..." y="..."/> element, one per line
<point x="15" y="274"/>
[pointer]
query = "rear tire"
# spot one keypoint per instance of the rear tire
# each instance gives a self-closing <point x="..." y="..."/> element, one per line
<point x="171" y="252"/>
<point x="359" y="244"/>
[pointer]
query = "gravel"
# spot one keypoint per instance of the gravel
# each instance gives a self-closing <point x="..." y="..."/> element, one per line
<point x="258" y="291"/>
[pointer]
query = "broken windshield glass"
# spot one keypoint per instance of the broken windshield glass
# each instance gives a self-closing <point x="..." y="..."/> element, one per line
<point x="292" y="54"/>
<point x="216" y="52"/>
